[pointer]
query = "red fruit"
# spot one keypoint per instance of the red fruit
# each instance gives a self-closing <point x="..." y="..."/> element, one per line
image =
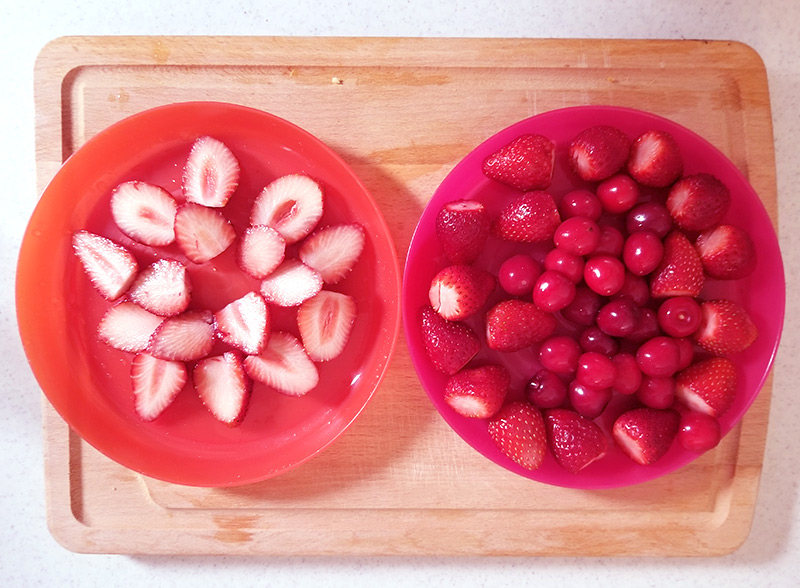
<point x="244" y="323"/>
<point x="292" y="205"/>
<point x="459" y="291"/>
<point x="128" y="327"/>
<point x="186" y="337"/>
<point x="698" y="202"/>
<point x="333" y="251"/>
<point x="202" y="233"/>
<point x="478" y="392"/>
<point x="162" y="288"/>
<point x="462" y="227"/>
<point x="518" y="431"/>
<point x="110" y="267"/>
<point x="449" y="345"/>
<point x="525" y="164"/>
<point x="655" y="159"/>
<point x="680" y="272"/>
<point x="291" y="284"/>
<point x="211" y="174"/>
<point x="530" y="218"/>
<point x="284" y="366"/>
<point x="512" y="325"/>
<point x="325" y="322"/>
<point x="708" y="386"/>
<point x="699" y="432"/>
<point x="725" y="328"/>
<point x="155" y="382"/>
<point x="646" y="434"/>
<point x="144" y="212"/>
<point x="261" y="250"/>
<point x="574" y="440"/>
<point x="727" y="252"/>
<point x="223" y="386"/>
<point x="598" y="152"/>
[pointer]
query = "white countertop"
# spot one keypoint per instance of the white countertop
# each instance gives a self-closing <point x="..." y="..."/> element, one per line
<point x="29" y="556"/>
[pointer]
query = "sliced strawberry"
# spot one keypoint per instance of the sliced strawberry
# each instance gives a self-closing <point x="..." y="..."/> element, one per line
<point x="459" y="291"/>
<point x="334" y="250"/>
<point x="525" y="164"/>
<point x="110" y="267"/>
<point x="725" y="327"/>
<point x="646" y="434"/>
<point x="156" y="383"/>
<point x="325" y="322"/>
<point x="284" y="366"/>
<point x="291" y="284"/>
<point x="598" y="152"/>
<point x="655" y="159"/>
<point x="518" y="431"/>
<point x="128" y="327"/>
<point x="574" y="440"/>
<point x="244" y="323"/>
<point x="531" y="218"/>
<point x="292" y="205"/>
<point x="211" y="174"/>
<point x="727" y="252"/>
<point x="223" y="386"/>
<point x="144" y="212"/>
<point x="163" y="288"/>
<point x="680" y="272"/>
<point x="514" y="324"/>
<point x="186" y="337"/>
<point x="698" y="202"/>
<point x="462" y="227"/>
<point x="478" y="392"/>
<point x="261" y="250"/>
<point x="708" y="385"/>
<point x="449" y="345"/>
<point x="202" y="233"/>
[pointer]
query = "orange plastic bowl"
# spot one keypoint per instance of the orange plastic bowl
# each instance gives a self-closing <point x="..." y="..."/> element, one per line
<point x="88" y="382"/>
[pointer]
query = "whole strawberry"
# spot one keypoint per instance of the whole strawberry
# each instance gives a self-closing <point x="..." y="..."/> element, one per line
<point x="462" y="227"/>
<point x="512" y="325"/>
<point x="478" y="392"/>
<point x="708" y="386"/>
<point x="725" y="327"/>
<point x="655" y="159"/>
<point x="646" y="434"/>
<point x="518" y="431"/>
<point x="449" y="345"/>
<point x="459" y="291"/>
<point x="574" y="440"/>
<point x="727" y="252"/>
<point x="598" y="152"/>
<point x="525" y="164"/>
<point x="680" y="272"/>
<point x="531" y="218"/>
<point x="698" y="202"/>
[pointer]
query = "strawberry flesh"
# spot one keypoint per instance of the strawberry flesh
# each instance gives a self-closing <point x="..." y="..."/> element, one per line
<point x="459" y="291"/>
<point x="283" y="366"/>
<point x="462" y="227"/>
<point x="655" y="159"/>
<point x="211" y="174"/>
<point x="223" y="386"/>
<point x="530" y="218"/>
<point x="244" y="323"/>
<point x="727" y="252"/>
<point x="109" y="266"/>
<point x="261" y="250"/>
<point x="680" y="272"/>
<point x="128" y="327"/>
<point x="708" y="386"/>
<point x="325" y="322"/>
<point x="646" y="434"/>
<point x="518" y="431"/>
<point x="449" y="345"/>
<point x="144" y="212"/>
<point x="725" y="327"/>
<point x="512" y="325"/>
<point x="155" y="383"/>
<point x="291" y="284"/>
<point x="698" y="202"/>
<point x="162" y="288"/>
<point x="291" y="204"/>
<point x="333" y="251"/>
<point x="202" y="233"/>
<point x="186" y="337"/>
<point x="598" y="152"/>
<point x="478" y="392"/>
<point x="526" y="163"/>
<point x="574" y="440"/>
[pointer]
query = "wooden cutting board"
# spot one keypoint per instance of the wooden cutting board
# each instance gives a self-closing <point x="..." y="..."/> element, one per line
<point x="402" y="112"/>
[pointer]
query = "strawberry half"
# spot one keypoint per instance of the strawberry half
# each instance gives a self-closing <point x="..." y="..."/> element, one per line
<point x="128" y="327"/>
<point x="698" y="202"/>
<point x="646" y="434"/>
<point x="244" y="323"/>
<point x="261" y="250"/>
<point x="655" y="159"/>
<point x="514" y="324"/>
<point x="459" y="291"/>
<point x="478" y="392"/>
<point x="518" y="431"/>
<point x="284" y="366"/>
<point x="526" y="163"/>
<point x="449" y="345"/>
<point x="530" y="218"/>
<point x="574" y="440"/>
<point x="292" y="205"/>
<point x="462" y="227"/>
<point x="211" y="174"/>
<point x="110" y="267"/>
<point x="162" y="288"/>
<point x="727" y="252"/>
<point x="223" y="386"/>
<point x="144" y="212"/>
<point x="598" y="152"/>
<point x="291" y="284"/>
<point x="156" y="383"/>
<point x="680" y="272"/>
<point x="186" y="337"/>
<point x="325" y="322"/>
<point x="333" y="251"/>
<point x="725" y="327"/>
<point x="708" y="386"/>
<point x="202" y="233"/>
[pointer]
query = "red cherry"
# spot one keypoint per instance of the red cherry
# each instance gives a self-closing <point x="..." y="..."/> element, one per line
<point x="583" y="308"/>
<point x="560" y="354"/>
<point x="698" y="431"/>
<point x="589" y="402"/>
<point x="518" y="274"/>
<point x="629" y="376"/>
<point x="553" y="291"/>
<point x="611" y="241"/>
<point x="596" y="370"/>
<point x="604" y="274"/>
<point x="594" y="339"/>
<point x="618" y="194"/>
<point x="567" y="263"/>
<point x="578" y="235"/>
<point x="656" y="392"/>
<point x="642" y="252"/>
<point x="580" y="203"/>
<point x="649" y="216"/>
<point x="618" y="318"/>
<point x="546" y="389"/>
<point x="658" y="357"/>
<point x="679" y="316"/>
